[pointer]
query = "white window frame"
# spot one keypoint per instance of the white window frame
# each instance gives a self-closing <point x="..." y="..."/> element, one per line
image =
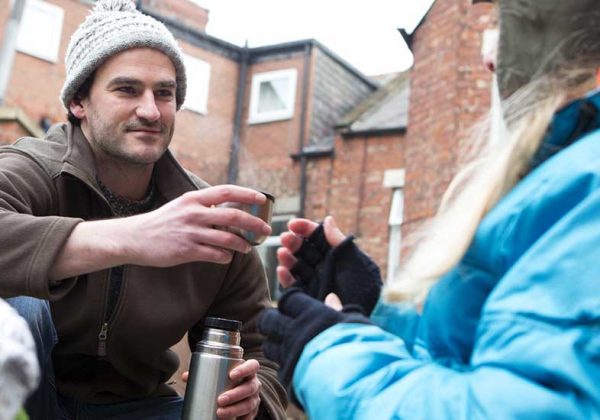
<point x="198" y="83"/>
<point x="40" y="30"/>
<point x="289" y="97"/>
<point x="394" y="179"/>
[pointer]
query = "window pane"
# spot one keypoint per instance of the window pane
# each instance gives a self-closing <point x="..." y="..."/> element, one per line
<point x="395" y="242"/>
<point x="198" y="80"/>
<point x="397" y="208"/>
<point x="272" y="96"/>
<point x="40" y="30"/>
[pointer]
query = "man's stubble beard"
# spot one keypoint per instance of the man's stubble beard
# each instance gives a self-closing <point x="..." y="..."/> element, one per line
<point x="107" y="139"/>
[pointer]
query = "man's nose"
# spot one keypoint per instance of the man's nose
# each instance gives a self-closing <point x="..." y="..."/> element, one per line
<point x="147" y="108"/>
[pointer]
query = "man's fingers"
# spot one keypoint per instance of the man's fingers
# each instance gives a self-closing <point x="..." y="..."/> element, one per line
<point x="185" y="375"/>
<point x="239" y="393"/>
<point x="230" y="217"/>
<point x="220" y="194"/>
<point x="247" y="368"/>
<point x="208" y="253"/>
<point x="243" y="399"/>
<point x="246" y="407"/>
<point x="218" y="240"/>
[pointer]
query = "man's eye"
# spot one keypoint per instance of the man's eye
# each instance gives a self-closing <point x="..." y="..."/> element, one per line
<point x="165" y="93"/>
<point x="126" y="89"/>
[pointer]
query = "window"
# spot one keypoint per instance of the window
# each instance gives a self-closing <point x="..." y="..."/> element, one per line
<point x="394" y="179"/>
<point x="40" y="30"/>
<point x="268" y="252"/>
<point x="395" y="223"/>
<point x="198" y="79"/>
<point x="273" y="95"/>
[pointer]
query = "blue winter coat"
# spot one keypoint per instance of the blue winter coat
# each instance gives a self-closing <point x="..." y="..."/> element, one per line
<point x="512" y="332"/>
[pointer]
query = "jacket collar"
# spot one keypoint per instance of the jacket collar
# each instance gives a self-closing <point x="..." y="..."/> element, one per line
<point x="170" y="177"/>
<point x="570" y="123"/>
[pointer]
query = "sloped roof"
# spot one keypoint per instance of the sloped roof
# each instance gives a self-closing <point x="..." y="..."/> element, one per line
<point x="386" y="110"/>
<point x="408" y="34"/>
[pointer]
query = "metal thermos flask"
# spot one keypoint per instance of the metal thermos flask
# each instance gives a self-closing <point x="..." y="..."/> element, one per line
<point x="214" y="357"/>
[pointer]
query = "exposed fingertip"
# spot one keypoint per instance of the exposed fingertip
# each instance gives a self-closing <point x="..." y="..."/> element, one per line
<point x="260" y="197"/>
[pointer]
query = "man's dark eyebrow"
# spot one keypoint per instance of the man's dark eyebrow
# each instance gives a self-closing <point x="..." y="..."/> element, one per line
<point x="167" y="84"/>
<point x="123" y="81"/>
<point x="131" y="81"/>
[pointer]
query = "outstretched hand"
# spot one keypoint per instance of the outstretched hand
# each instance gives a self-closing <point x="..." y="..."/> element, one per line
<point x="299" y="231"/>
<point x="188" y="229"/>
<point x="321" y="260"/>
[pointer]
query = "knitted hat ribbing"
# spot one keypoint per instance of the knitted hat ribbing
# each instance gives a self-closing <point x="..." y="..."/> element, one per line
<point x="111" y="27"/>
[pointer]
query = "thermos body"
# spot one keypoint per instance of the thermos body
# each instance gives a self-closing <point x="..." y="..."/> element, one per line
<point x="214" y="357"/>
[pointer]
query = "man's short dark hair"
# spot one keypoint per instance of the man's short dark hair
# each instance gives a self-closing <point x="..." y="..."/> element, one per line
<point x="81" y="94"/>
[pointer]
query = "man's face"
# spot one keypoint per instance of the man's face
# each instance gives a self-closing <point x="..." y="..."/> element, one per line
<point x="129" y="114"/>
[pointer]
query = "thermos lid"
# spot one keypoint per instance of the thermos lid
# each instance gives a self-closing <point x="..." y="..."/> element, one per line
<point x="223" y="324"/>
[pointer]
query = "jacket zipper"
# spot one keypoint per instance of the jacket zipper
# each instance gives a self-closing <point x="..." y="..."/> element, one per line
<point x="103" y="334"/>
<point x="102" y="340"/>
<point x="115" y="284"/>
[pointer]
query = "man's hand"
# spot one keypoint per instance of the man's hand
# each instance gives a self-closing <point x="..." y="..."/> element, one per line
<point x="188" y="228"/>
<point x="243" y="400"/>
<point x="184" y="230"/>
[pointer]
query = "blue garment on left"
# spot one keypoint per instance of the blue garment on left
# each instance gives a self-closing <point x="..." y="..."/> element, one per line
<point x="513" y="331"/>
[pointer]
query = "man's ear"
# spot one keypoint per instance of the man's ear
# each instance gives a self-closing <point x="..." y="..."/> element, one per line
<point x="76" y="107"/>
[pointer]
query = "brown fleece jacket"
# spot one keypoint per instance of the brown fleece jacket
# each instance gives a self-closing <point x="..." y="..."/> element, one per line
<point x="49" y="186"/>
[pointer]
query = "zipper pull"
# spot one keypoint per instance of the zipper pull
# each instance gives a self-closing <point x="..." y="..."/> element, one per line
<point x="102" y="340"/>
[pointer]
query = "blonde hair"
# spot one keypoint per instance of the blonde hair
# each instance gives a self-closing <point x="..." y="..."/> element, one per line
<point x="492" y="171"/>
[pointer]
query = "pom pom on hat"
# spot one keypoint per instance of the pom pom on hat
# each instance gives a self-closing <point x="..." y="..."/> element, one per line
<point x="114" y="6"/>
<point x="111" y="27"/>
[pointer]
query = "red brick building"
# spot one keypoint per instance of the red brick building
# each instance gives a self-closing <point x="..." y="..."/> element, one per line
<point x="294" y="119"/>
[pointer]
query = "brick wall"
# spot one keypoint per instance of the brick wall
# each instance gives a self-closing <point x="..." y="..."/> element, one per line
<point x="264" y="160"/>
<point x="350" y="187"/>
<point x="449" y="91"/>
<point x="202" y="142"/>
<point x="35" y="84"/>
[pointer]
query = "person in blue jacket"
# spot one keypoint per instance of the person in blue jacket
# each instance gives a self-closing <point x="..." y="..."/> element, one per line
<point x="496" y="313"/>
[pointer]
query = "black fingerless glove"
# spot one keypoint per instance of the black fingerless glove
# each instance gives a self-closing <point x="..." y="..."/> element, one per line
<point x="344" y="270"/>
<point x="296" y="321"/>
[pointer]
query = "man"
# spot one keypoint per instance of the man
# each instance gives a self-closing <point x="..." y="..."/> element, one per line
<point x="101" y="221"/>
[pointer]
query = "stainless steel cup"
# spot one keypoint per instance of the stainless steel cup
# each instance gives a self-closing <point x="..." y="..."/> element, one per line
<point x="262" y="211"/>
<point x="214" y="357"/>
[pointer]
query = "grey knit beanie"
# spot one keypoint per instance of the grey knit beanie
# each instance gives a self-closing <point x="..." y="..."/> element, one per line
<point x="111" y="27"/>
